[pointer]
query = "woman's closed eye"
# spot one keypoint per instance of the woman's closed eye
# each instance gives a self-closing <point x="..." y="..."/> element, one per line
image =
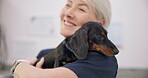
<point x="83" y="10"/>
<point x="68" y="5"/>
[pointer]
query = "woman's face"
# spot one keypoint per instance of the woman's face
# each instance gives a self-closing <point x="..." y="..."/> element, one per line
<point x="73" y="15"/>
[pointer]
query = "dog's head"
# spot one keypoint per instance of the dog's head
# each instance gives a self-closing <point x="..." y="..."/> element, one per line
<point x="98" y="39"/>
<point x="90" y="36"/>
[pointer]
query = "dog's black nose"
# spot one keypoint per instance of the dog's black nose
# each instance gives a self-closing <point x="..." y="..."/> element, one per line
<point x="115" y="51"/>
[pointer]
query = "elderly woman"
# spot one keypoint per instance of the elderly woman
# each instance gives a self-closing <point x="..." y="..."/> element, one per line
<point x="96" y="65"/>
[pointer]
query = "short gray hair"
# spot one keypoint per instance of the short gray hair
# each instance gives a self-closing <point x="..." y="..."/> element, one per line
<point x="102" y="10"/>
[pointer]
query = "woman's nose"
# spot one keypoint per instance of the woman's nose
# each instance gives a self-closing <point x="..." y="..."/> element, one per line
<point x="69" y="13"/>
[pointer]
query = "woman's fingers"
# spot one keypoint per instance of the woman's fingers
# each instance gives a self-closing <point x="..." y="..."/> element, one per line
<point x="40" y="63"/>
<point x="32" y="61"/>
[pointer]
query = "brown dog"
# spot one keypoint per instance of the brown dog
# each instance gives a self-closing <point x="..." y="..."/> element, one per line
<point x="91" y="36"/>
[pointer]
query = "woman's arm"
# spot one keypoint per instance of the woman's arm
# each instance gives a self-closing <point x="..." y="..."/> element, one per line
<point x="24" y="70"/>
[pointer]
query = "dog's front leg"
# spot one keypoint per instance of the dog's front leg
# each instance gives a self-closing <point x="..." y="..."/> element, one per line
<point x="56" y="63"/>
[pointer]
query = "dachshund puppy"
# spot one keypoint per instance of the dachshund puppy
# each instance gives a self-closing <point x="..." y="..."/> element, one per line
<point x="91" y="36"/>
<point x="94" y="36"/>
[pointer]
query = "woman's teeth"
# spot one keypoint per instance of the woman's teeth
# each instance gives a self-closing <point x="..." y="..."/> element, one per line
<point x="69" y="24"/>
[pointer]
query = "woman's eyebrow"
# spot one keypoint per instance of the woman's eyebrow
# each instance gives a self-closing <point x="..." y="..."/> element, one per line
<point x="84" y="5"/>
<point x="80" y="4"/>
<point x="69" y="1"/>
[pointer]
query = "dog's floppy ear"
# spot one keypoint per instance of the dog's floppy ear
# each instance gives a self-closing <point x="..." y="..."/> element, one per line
<point x="78" y="43"/>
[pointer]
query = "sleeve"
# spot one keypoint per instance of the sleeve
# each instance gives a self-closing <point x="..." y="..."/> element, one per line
<point x="96" y="65"/>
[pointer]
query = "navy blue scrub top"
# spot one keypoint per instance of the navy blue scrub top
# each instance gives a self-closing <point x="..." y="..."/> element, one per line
<point x="95" y="65"/>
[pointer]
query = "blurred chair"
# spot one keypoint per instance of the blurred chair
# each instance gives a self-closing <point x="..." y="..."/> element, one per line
<point x="3" y="48"/>
<point x="4" y="68"/>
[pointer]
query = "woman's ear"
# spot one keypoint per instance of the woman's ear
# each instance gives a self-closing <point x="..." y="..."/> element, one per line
<point x="101" y="20"/>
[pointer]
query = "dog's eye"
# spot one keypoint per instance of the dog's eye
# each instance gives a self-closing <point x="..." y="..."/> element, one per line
<point x="99" y="36"/>
<point x="102" y="38"/>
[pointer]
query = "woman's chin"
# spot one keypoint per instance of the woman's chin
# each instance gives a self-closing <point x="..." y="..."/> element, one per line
<point x="65" y="34"/>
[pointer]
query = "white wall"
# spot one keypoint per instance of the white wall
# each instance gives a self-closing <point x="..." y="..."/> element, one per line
<point x="16" y="18"/>
<point x="131" y="14"/>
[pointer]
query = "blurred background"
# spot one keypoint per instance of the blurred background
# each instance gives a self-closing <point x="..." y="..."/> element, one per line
<point x="29" y="26"/>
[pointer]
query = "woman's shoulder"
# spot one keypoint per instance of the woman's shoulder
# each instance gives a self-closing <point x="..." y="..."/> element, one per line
<point x="44" y="52"/>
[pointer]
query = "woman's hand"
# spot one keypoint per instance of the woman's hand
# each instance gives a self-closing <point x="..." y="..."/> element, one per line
<point x="33" y="61"/>
<point x="27" y="67"/>
<point x="40" y="63"/>
<point x="25" y="70"/>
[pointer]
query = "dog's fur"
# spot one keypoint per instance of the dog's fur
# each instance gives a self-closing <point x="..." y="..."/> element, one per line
<point x="91" y="36"/>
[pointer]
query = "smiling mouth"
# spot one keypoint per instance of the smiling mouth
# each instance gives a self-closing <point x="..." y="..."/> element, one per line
<point x="68" y="23"/>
